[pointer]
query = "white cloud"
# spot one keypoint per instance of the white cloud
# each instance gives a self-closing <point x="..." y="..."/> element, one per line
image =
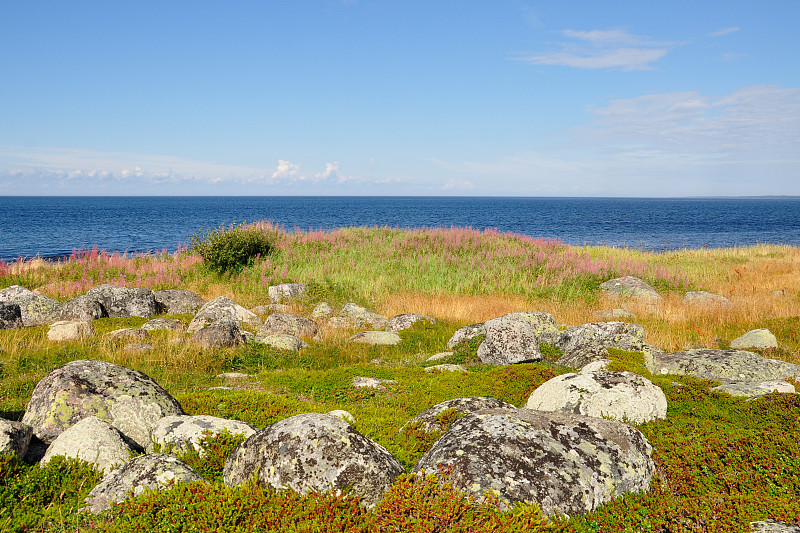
<point x="602" y="49"/>
<point x="287" y="171"/>
<point x="724" y="31"/>
<point x="330" y="171"/>
<point x="461" y="185"/>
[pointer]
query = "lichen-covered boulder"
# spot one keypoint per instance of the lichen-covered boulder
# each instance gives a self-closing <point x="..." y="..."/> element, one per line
<point x="773" y="526"/>
<point x="124" y="301"/>
<point x="288" y="324"/>
<point x="362" y="316"/>
<point x="82" y="308"/>
<point x="429" y="418"/>
<point x="14" y="437"/>
<point x="282" y="342"/>
<point x="383" y="338"/>
<point x="466" y="333"/>
<point x="314" y="452"/>
<point x="163" y="324"/>
<point x="509" y="339"/>
<point x="322" y="311"/>
<point x="178" y="301"/>
<point x="723" y="365"/>
<point x="406" y="321"/>
<point x="706" y="299"/>
<point x="12" y="293"/>
<point x="754" y="389"/>
<point x="631" y="287"/>
<point x="223" y="333"/>
<point x="589" y="342"/>
<point x="182" y="433"/>
<point x="542" y="323"/>
<point x="342" y="322"/>
<point x="157" y="471"/>
<point x="70" y="330"/>
<point x="618" y="395"/>
<point x="94" y="441"/>
<point x="757" y="338"/>
<point x="223" y="308"/>
<point x="286" y="291"/>
<point x="127" y="399"/>
<point x="37" y="309"/>
<point x="10" y="316"/>
<point x="567" y="463"/>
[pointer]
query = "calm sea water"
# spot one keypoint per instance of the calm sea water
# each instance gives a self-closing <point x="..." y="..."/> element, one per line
<point x="52" y="226"/>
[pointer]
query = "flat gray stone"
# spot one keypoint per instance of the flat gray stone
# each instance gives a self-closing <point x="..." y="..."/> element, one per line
<point x="127" y="334"/>
<point x="757" y="338"/>
<point x="632" y="288"/>
<point x="362" y="316"/>
<point x="362" y="382"/>
<point x="445" y="368"/>
<point x="137" y="348"/>
<point x="755" y="389"/>
<point x="706" y="299"/>
<point x="70" y="330"/>
<point x="439" y="356"/>
<point x="723" y="365"/>
<point x="617" y="313"/>
<point x="282" y="342"/>
<point x="773" y="526"/>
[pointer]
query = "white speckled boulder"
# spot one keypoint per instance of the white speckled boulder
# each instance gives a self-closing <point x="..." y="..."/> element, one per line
<point x="14" y="437"/>
<point x="590" y="342"/>
<point x="631" y="287"/>
<point x="757" y="338"/>
<point x="124" y="301"/>
<point x="429" y="417"/>
<point x="406" y="321"/>
<point x="70" y="330"/>
<point x="286" y="291"/>
<point x="314" y="451"/>
<point x="37" y="309"/>
<point x="282" y="342"/>
<point x="567" y="463"/>
<point x="509" y="339"/>
<point x="773" y="526"/>
<point x="94" y="441"/>
<point x="182" y="433"/>
<point x="322" y="311"/>
<point x="362" y="316"/>
<point x="466" y="333"/>
<point x="223" y="308"/>
<point x="82" y="307"/>
<point x="288" y="324"/>
<point x="617" y="395"/>
<point x="156" y="471"/>
<point x="127" y="399"/>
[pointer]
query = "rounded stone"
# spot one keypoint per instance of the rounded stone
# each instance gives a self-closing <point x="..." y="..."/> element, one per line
<point x="223" y="308"/>
<point x="406" y="321"/>
<point x="124" y="301"/>
<point x="631" y="287"/>
<point x="429" y="418"/>
<point x="314" y="452"/>
<point x="177" y="301"/>
<point x="466" y="333"/>
<point x="757" y="338"/>
<point x="94" y="441"/>
<point x="288" y="324"/>
<point x="70" y="330"/>
<point x="282" y="342"/>
<point x="509" y="339"/>
<point x="182" y="433"/>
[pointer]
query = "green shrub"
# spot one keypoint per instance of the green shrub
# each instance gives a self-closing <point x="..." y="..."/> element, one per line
<point x="231" y="249"/>
<point x="215" y="449"/>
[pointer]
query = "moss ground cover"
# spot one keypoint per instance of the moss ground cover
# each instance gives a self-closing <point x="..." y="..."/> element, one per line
<point x="722" y="461"/>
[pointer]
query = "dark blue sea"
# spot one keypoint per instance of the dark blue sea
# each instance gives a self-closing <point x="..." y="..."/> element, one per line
<point x="51" y="227"/>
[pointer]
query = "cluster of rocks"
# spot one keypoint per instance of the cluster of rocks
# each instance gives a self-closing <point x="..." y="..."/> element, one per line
<point x="633" y="288"/>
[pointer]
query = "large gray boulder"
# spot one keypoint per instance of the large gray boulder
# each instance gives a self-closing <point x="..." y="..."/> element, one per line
<point x="619" y="395"/>
<point x="223" y="308"/>
<point x="127" y="399"/>
<point x="124" y="301"/>
<point x="567" y="463"/>
<point x="314" y="452"/>
<point x="10" y="316"/>
<point x="543" y="324"/>
<point x="706" y="299"/>
<point x="286" y="291"/>
<point x="631" y="287"/>
<point x="406" y="321"/>
<point x="759" y="339"/>
<point x="82" y="307"/>
<point x="589" y="342"/>
<point x="288" y="324"/>
<point x="157" y="471"/>
<point x="178" y="301"/>
<point x="466" y="333"/>
<point x="362" y="317"/>
<point x="429" y="418"/>
<point x="37" y="309"/>
<point x="509" y="339"/>
<point x="14" y="437"/>
<point x="222" y="333"/>
<point x="12" y="293"/>
<point x="723" y="365"/>
<point x="94" y="441"/>
<point x="183" y="433"/>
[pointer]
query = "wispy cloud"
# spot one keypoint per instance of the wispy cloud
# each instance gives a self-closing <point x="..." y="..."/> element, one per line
<point x="601" y="49"/>
<point x="724" y="31"/>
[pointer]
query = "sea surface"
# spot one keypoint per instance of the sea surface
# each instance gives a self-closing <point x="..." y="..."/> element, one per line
<point x="51" y="227"/>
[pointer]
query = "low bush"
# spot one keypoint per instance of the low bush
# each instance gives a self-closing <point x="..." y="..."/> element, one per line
<point x="231" y="249"/>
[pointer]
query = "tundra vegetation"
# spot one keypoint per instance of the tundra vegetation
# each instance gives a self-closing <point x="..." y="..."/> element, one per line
<point x="722" y="461"/>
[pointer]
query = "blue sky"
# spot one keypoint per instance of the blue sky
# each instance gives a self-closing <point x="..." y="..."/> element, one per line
<point x="327" y="97"/>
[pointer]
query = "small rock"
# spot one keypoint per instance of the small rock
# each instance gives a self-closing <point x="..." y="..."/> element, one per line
<point x="94" y="441"/>
<point x="754" y="389"/>
<point x="223" y="333"/>
<point x="285" y="323"/>
<point x="282" y="342"/>
<point x="286" y="291"/>
<point x="183" y="433"/>
<point x="137" y="348"/>
<point x="383" y="338"/>
<point x="439" y="356"/>
<point x="14" y="437"/>
<point x="362" y="382"/>
<point x="430" y="417"/>
<point x="757" y="338"/>
<point x="223" y="308"/>
<point x="703" y="298"/>
<point x="406" y="321"/>
<point x="127" y="333"/>
<point x="321" y="312"/>
<point x="773" y="526"/>
<point x="723" y="365"/>
<point x="178" y="302"/>
<point x="271" y="308"/>
<point x="466" y="333"/>
<point x="445" y="368"/>
<point x="70" y="330"/>
<point x="344" y="415"/>
<point x="363" y="316"/>
<point x="631" y="287"/>
<point x="233" y="375"/>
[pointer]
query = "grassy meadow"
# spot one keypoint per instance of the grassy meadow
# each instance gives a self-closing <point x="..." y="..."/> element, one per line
<point x="722" y="461"/>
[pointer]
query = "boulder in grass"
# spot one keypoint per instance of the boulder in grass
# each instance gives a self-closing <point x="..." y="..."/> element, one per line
<point x="445" y="368"/>
<point x="543" y="324"/>
<point x="314" y="452"/>
<point x="382" y="338"/>
<point x="590" y="342"/>
<point x="509" y="340"/>
<point x="631" y="287"/>
<point x="157" y="471"/>
<point x="773" y="526"/>
<point x="124" y="301"/>
<point x="137" y="348"/>
<point x="127" y="399"/>
<point x="362" y="316"/>
<point x="466" y="333"/>
<point x="282" y="342"/>
<point x="37" y="310"/>
<point x="82" y="308"/>
<point x="344" y="415"/>
<point x="14" y="437"/>
<point x="223" y="308"/>
<point x="183" y="433"/>
<point x="618" y="395"/>
<point x="406" y="321"/>
<point x="614" y="314"/>
<point x="127" y="334"/>
<point x="322" y="311"/>
<point x="706" y="299"/>
<point x="177" y="301"/>
<point x="363" y="382"/>
<point x="723" y="365"/>
<point x="285" y="323"/>
<point x="286" y="291"/>
<point x="271" y="308"/>
<point x="757" y="338"/>
<point x="70" y="330"/>
<point x="163" y="324"/>
<point x="429" y="418"/>
<point x="12" y="293"/>
<point x="755" y="389"/>
<point x="94" y="441"/>
<point x="223" y="333"/>
<point x="567" y="463"/>
<point x="10" y="316"/>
